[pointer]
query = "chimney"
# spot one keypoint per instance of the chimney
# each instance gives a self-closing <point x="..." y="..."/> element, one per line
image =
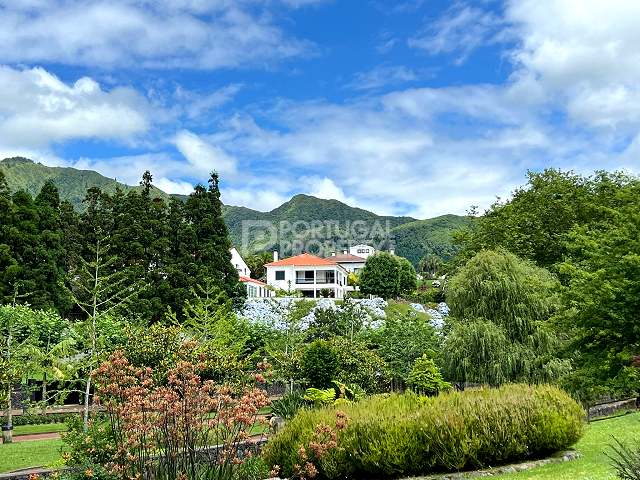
<point x="333" y="254"/>
<point x="344" y="252"/>
<point x="275" y="255"/>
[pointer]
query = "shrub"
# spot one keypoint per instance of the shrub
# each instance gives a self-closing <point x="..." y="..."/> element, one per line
<point x="625" y="460"/>
<point x="396" y="435"/>
<point x="319" y="364"/>
<point x="287" y="406"/>
<point x="425" y="377"/>
<point x="157" y="430"/>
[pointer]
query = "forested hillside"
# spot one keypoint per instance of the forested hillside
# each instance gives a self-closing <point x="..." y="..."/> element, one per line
<point x="412" y="238"/>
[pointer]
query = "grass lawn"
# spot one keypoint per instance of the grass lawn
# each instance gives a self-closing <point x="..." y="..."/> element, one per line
<point x="594" y="464"/>
<point x="36" y="453"/>
<point x="39" y="428"/>
<point x="402" y="309"/>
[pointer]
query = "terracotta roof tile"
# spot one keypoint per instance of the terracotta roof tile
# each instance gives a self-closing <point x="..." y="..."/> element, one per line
<point x="347" y="257"/>
<point x="250" y="280"/>
<point x="303" y="260"/>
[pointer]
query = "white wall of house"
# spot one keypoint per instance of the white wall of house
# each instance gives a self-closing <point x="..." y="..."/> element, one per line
<point x="257" y="290"/>
<point x="352" y="267"/>
<point x="362" y="250"/>
<point x="310" y="280"/>
<point x="239" y="264"/>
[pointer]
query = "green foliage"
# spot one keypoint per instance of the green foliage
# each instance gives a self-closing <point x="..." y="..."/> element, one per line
<point x="319" y="364"/>
<point x="403" y="338"/>
<point x="432" y="237"/>
<point x="535" y="221"/>
<point x="625" y="459"/>
<point x="287" y="406"/>
<point x="500" y="332"/>
<point x="320" y="397"/>
<point x="402" y="435"/>
<point x="380" y="276"/>
<point x="498" y="286"/>
<point x="358" y="365"/>
<point x="602" y="299"/>
<point x="425" y="377"/>
<point x="407" y="278"/>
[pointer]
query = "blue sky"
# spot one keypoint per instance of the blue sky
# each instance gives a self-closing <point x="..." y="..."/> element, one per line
<point x="413" y="107"/>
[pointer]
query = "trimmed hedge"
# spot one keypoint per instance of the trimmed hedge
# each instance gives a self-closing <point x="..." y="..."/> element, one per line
<point x="397" y="435"/>
<point x="37" y="419"/>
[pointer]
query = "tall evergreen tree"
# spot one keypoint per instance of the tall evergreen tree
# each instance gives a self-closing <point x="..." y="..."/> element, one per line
<point x="47" y="270"/>
<point x="211" y="256"/>
<point x="8" y="261"/>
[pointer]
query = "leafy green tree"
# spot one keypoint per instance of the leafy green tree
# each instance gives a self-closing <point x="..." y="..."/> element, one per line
<point x="407" y="278"/>
<point x="52" y="347"/>
<point x="401" y="340"/>
<point x="425" y="377"/>
<point x="99" y="290"/>
<point x="257" y="262"/>
<point x="500" y="333"/>
<point x="429" y="265"/>
<point x="358" y="365"/>
<point x="319" y="364"/>
<point x="602" y="299"/>
<point x="535" y="221"/>
<point x="16" y="361"/>
<point x="380" y="276"/>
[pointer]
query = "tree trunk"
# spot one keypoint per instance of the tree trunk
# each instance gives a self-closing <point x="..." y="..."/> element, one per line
<point x="7" y="429"/>
<point x="44" y="389"/>
<point x="87" y="391"/>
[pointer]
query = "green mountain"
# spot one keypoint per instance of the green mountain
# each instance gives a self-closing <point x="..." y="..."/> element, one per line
<point x="302" y="223"/>
<point x="25" y="174"/>
<point x="416" y="239"/>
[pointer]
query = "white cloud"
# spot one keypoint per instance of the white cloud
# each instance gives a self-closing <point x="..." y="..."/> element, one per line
<point x="37" y="108"/>
<point x="203" y="156"/>
<point x="262" y="200"/>
<point x="152" y="33"/>
<point x="584" y="55"/>
<point x="383" y="75"/>
<point x="460" y="30"/>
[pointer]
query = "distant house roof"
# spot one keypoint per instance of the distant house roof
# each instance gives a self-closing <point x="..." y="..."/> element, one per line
<point x="347" y="258"/>
<point x="303" y="260"/>
<point x="251" y="280"/>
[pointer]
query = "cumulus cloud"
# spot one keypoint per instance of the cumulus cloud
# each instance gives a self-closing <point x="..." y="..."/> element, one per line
<point x="152" y="33"/>
<point x="37" y="109"/>
<point x="203" y="156"/>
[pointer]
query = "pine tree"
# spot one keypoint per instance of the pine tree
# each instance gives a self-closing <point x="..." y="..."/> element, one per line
<point x="8" y="262"/>
<point x="212" y="257"/>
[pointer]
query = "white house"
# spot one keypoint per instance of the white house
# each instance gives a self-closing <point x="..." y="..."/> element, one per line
<point x="361" y="250"/>
<point x="350" y="262"/>
<point x="239" y="264"/>
<point x="256" y="288"/>
<point x="308" y="274"/>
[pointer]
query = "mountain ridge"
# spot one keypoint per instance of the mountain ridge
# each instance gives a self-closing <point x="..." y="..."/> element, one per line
<point x="411" y="238"/>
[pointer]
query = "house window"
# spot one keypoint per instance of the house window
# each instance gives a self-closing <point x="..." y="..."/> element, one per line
<point x="279" y="274"/>
<point x="326" y="276"/>
<point x="305" y="276"/>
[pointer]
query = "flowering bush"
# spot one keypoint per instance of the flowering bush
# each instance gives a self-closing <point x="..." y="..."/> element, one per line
<point x="160" y="431"/>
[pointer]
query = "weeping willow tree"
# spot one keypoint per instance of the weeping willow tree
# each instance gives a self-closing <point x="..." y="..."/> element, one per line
<point x="500" y="331"/>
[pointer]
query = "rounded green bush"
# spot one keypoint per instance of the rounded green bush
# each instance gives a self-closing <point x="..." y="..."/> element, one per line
<point x="397" y="435"/>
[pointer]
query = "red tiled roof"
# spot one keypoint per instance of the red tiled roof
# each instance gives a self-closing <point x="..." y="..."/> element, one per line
<point x="347" y="258"/>
<point x="251" y="280"/>
<point x="303" y="260"/>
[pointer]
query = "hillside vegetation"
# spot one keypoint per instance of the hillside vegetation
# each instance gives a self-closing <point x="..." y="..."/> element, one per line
<point x="412" y="238"/>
